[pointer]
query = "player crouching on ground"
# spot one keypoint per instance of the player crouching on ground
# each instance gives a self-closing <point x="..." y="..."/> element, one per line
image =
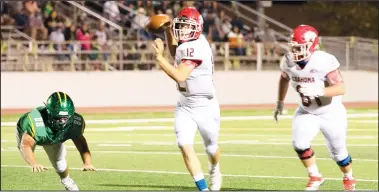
<point x="315" y="76"/>
<point x="198" y="107"/>
<point x="50" y="126"/>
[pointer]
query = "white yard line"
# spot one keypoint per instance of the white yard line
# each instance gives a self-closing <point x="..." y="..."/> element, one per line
<point x="201" y="154"/>
<point x="227" y="118"/>
<point x="185" y="173"/>
<point x="163" y="128"/>
<point x="113" y="145"/>
<point x="363" y="121"/>
<point x="233" y="142"/>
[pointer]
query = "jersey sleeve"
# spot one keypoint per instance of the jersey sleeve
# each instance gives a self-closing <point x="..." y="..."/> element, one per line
<point x="79" y="126"/>
<point x="24" y="125"/>
<point x="333" y="64"/>
<point x="190" y="54"/>
<point x="284" y="66"/>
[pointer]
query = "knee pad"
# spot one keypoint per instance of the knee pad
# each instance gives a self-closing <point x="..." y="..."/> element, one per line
<point x="305" y="154"/>
<point x="347" y="161"/>
<point x="211" y="149"/>
<point x="61" y="165"/>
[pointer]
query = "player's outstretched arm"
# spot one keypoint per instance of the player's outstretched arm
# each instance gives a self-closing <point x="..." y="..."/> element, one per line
<point x="171" y="41"/>
<point x="82" y="146"/>
<point x="26" y="149"/>
<point x="282" y="92"/>
<point x="178" y="74"/>
<point x="337" y="86"/>
<point x="283" y="86"/>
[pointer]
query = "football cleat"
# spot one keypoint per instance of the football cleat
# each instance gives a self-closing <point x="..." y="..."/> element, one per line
<point x="215" y="180"/>
<point x="314" y="183"/>
<point x="69" y="184"/>
<point x="349" y="183"/>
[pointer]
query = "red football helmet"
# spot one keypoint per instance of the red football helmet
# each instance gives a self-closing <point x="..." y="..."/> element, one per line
<point x="188" y="25"/>
<point x="304" y="41"/>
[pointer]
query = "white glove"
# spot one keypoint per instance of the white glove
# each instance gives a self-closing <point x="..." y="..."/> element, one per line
<point x="311" y="90"/>
<point x="278" y="110"/>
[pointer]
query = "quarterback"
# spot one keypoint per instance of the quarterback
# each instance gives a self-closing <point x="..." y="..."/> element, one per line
<point x="50" y="126"/>
<point x="315" y="76"/>
<point x="198" y="107"/>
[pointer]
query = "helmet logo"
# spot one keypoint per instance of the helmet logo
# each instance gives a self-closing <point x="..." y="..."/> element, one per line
<point x="63" y="113"/>
<point x="310" y="36"/>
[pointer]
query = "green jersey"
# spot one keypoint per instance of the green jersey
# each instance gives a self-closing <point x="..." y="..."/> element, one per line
<point x="34" y="123"/>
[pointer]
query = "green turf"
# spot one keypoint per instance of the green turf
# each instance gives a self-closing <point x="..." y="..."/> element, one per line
<point x="257" y="155"/>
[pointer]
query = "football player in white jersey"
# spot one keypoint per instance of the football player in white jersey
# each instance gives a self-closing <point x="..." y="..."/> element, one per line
<point x="315" y="76"/>
<point x="198" y="107"/>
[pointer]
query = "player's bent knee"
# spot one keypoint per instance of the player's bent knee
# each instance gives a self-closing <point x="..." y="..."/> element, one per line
<point x="61" y="165"/>
<point x="305" y="154"/>
<point x="211" y="149"/>
<point x="347" y="161"/>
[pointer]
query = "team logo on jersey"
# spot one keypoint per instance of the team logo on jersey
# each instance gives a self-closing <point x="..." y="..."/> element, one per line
<point x="312" y="71"/>
<point x="303" y="79"/>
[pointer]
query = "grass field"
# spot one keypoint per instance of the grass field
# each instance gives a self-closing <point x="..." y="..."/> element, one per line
<point x="132" y="154"/>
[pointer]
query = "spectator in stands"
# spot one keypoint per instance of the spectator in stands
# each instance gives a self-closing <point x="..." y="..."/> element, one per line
<point x="236" y="41"/>
<point x="58" y="38"/>
<point x="169" y="13"/>
<point x="48" y="9"/>
<point x="236" y="21"/>
<point x="14" y="7"/>
<point x="111" y="11"/>
<point x="51" y="21"/>
<point x="139" y="22"/>
<point x="101" y="37"/>
<point x="69" y="30"/>
<point x="269" y="40"/>
<point x="95" y="56"/>
<point x="5" y="18"/>
<point x="163" y="6"/>
<point x="83" y="35"/>
<point x="226" y="27"/>
<point x="36" y="29"/>
<point x="176" y="8"/>
<point x="218" y="24"/>
<point x="208" y="22"/>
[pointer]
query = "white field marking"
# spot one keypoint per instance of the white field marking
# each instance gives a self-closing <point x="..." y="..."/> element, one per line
<point x="129" y="128"/>
<point x="363" y="121"/>
<point x="284" y="136"/>
<point x="185" y="173"/>
<point x="113" y="145"/>
<point x="368" y="137"/>
<point x="202" y="154"/>
<point x="232" y="142"/>
<point x="227" y="118"/>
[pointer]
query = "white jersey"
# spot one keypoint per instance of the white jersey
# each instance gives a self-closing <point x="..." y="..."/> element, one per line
<point x="314" y="72"/>
<point x="198" y="88"/>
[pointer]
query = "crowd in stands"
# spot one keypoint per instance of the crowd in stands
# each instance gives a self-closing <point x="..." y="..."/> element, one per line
<point x="44" y="22"/>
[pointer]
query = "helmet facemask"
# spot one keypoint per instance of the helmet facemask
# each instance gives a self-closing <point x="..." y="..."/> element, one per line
<point x="185" y="29"/>
<point x="300" y="52"/>
<point x="58" y="120"/>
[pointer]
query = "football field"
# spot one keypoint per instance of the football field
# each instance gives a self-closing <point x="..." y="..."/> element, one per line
<point x="137" y="151"/>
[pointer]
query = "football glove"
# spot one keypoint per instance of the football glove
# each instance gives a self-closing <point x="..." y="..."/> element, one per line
<point x="278" y="110"/>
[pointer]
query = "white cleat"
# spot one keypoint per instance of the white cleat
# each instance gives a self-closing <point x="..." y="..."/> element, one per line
<point x="314" y="183"/>
<point x="215" y="180"/>
<point x="69" y="184"/>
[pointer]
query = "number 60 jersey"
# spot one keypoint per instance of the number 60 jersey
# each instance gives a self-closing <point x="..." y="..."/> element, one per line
<point x="315" y="72"/>
<point x="198" y="88"/>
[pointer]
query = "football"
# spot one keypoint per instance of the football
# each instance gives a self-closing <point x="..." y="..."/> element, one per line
<point x="157" y="23"/>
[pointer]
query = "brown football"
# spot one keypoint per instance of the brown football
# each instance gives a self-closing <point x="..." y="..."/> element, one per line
<point x="157" y="23"/>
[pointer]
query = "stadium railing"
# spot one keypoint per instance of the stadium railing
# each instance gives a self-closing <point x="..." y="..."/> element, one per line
<point x="32" y="58"/>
